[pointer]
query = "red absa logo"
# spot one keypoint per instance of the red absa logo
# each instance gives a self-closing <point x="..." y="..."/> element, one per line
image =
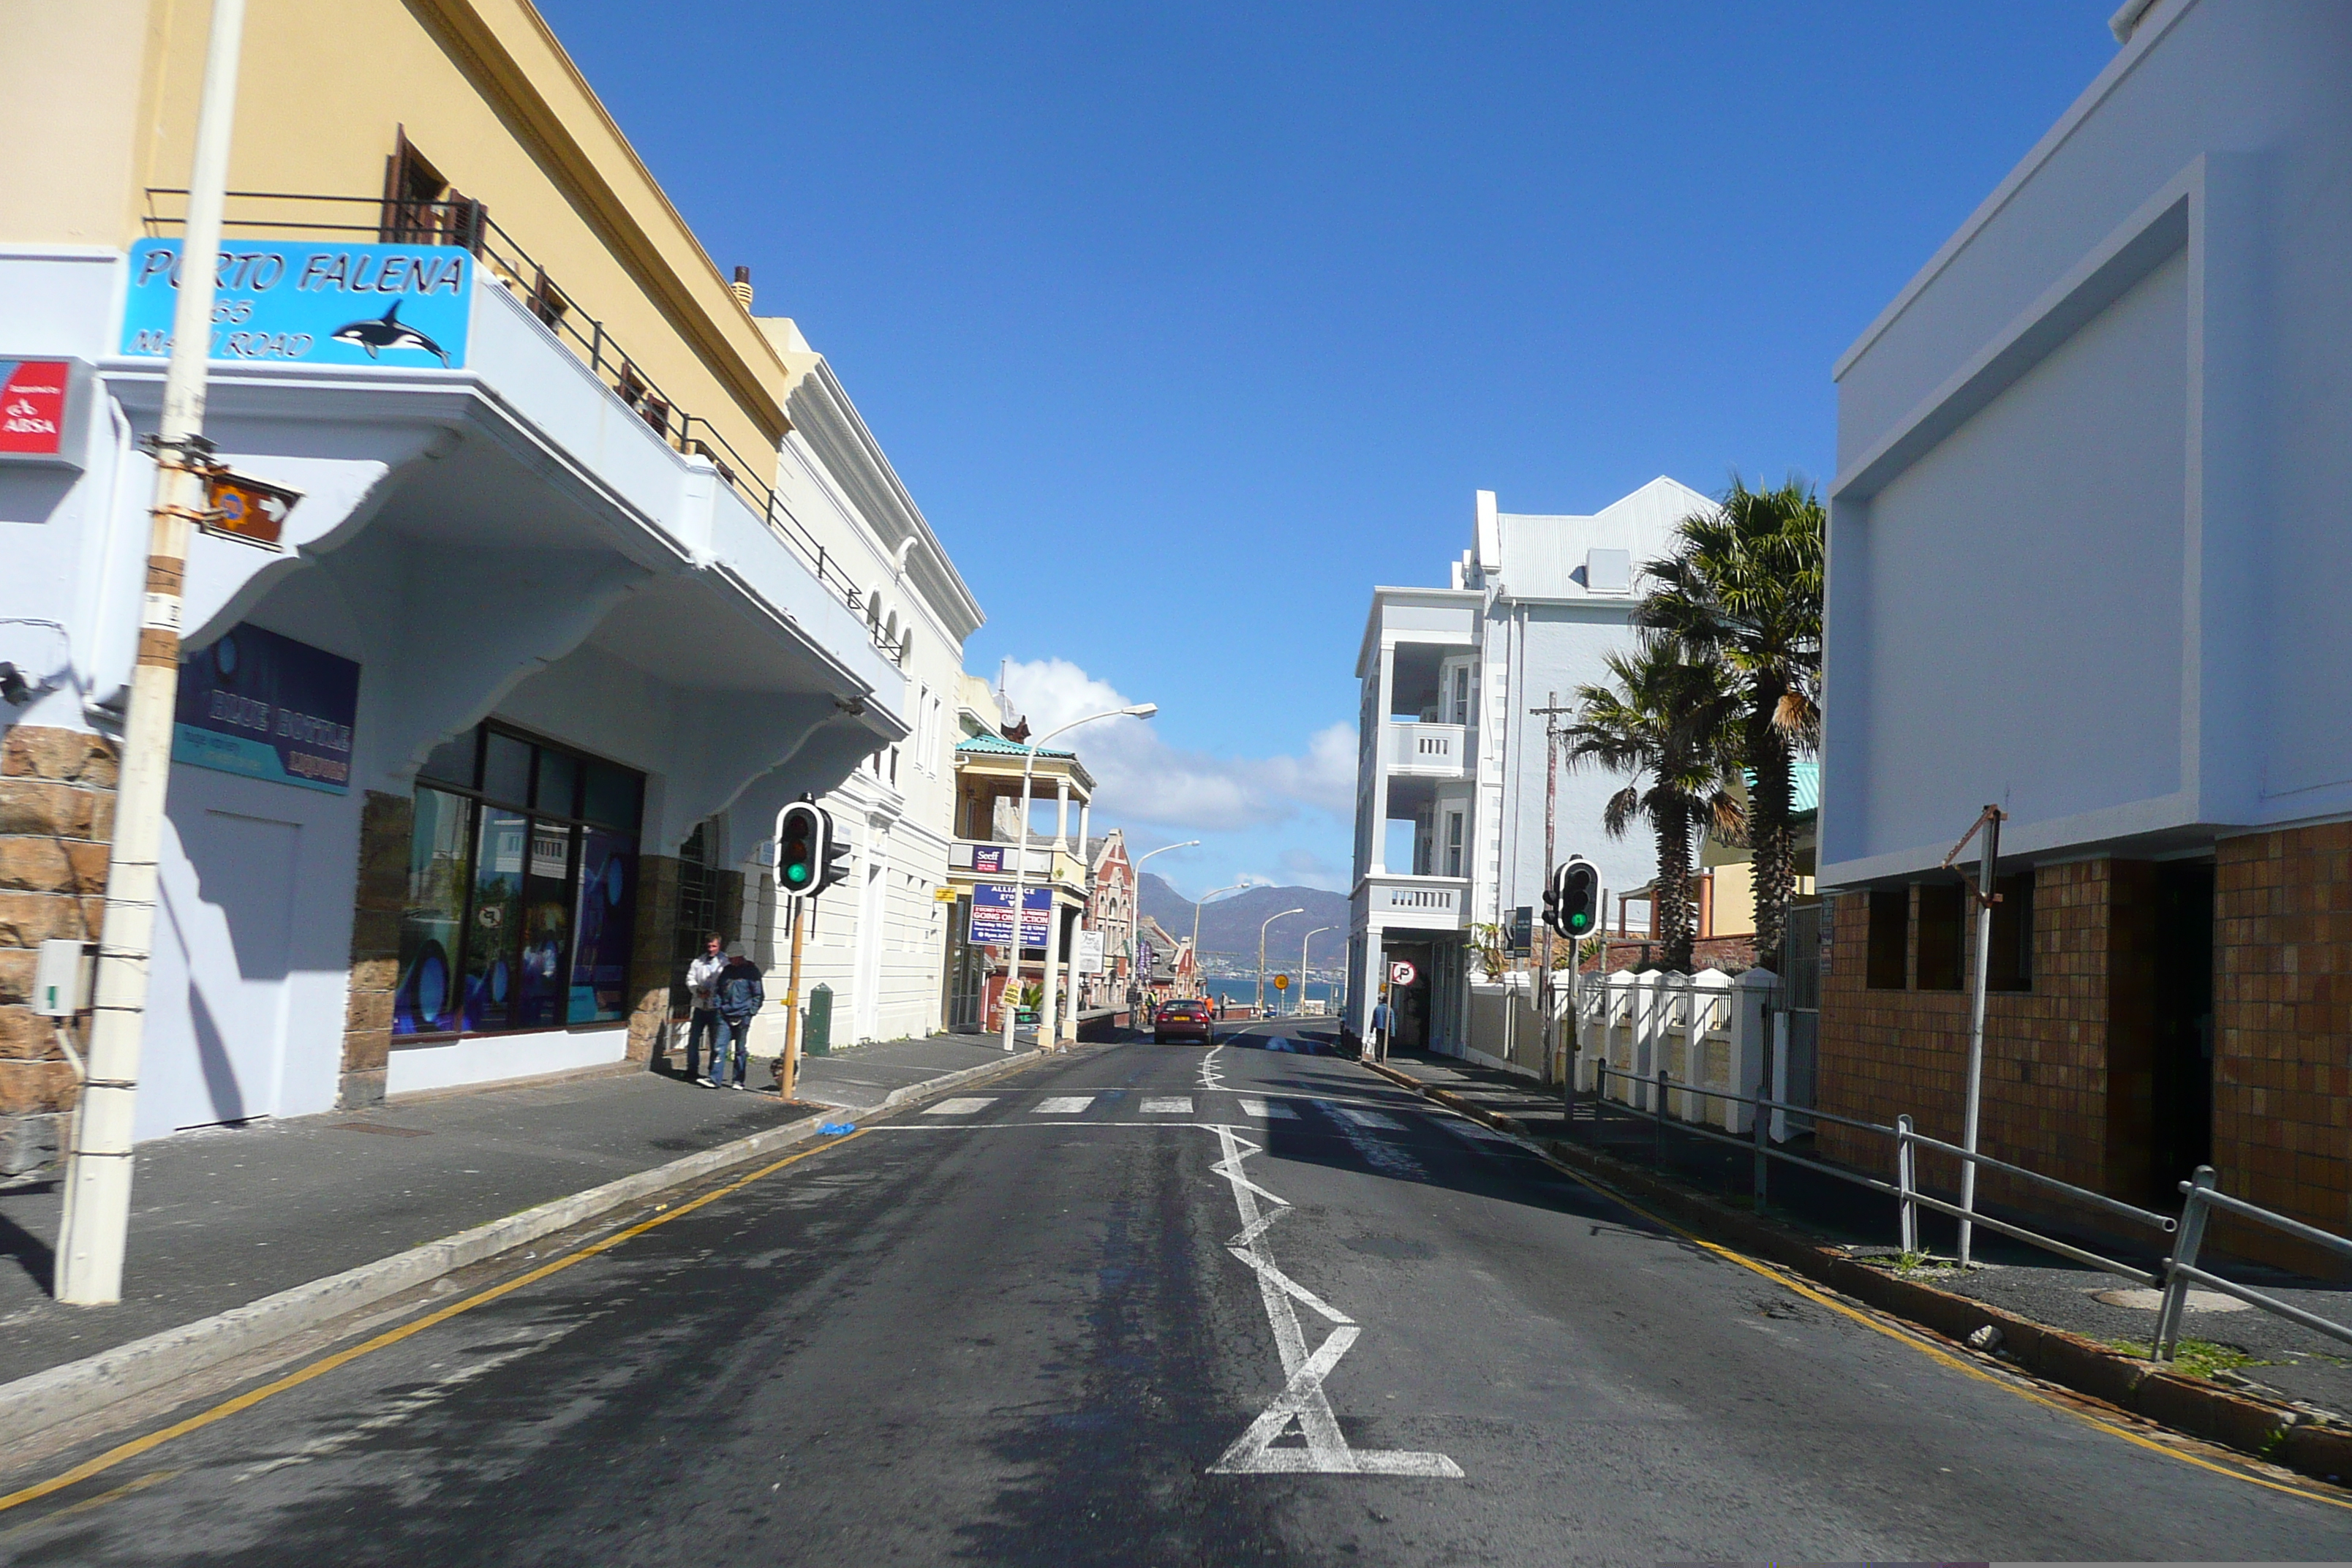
<point x="33" y="405"/>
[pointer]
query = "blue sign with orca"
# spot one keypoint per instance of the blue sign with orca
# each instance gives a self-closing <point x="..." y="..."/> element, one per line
<point x="296" y="302"/>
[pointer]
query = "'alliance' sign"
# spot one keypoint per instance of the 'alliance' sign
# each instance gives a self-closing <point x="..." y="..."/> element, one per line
<point x="297" y="302"/>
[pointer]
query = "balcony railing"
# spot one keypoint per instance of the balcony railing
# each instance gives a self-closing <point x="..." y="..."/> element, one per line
<point x="1441" y="903"/>
<point x="467" y="222"/>
<point x="1442" y="749"/>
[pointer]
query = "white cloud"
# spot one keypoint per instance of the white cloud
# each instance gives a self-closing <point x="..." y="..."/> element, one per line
<point x="1140" y="778"/>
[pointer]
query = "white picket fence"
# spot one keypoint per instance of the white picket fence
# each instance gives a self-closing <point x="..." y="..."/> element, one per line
<point x="1705" y="1029"/>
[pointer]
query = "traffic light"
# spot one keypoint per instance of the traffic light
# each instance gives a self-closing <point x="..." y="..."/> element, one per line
<point x="803" y="845"/>
<point x="1573" y="900"/>
<point x="836" y="866"/>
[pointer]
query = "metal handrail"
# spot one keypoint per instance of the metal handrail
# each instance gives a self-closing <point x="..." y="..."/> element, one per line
<point x="2180" y="1268"/>
<point x="471" y="226"/>
<point x="1905" y="1189"/>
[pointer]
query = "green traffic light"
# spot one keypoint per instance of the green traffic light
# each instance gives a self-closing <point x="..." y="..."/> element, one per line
<point x="796" y="873"/>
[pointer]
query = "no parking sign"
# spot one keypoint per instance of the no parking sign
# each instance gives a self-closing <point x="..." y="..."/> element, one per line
<point x="1402" y="974"/>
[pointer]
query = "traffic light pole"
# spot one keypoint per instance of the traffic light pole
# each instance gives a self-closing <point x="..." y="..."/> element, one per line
<point x="789" y="1068"/>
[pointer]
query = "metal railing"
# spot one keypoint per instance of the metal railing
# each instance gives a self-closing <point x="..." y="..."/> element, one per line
<point x="2173" y="1276"/>
<point x="2181" y="1269"/>
<point x="466" y="223"/>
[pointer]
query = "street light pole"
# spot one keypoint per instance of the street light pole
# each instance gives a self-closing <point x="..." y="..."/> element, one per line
<point x="1260" y="953"/>
<point x="91" y="1234"/>
<point x="1021" y="864"/>
<point x="1135" y="915"/>
<point x="1303" y="941"/>
<point x="1203" y="898"/>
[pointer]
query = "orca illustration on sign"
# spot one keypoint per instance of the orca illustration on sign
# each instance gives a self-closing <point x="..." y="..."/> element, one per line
<point x="388" y="332"/>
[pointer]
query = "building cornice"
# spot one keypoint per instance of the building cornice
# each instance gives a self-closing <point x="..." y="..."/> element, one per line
<point x="516" y="59"/>
<point x="820" y="409"/>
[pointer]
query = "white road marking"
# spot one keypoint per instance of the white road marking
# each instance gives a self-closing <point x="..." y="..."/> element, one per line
<point x="1302" y="1402"/>
<point x="964" y="1106"/>
<point x="1368" y="1118"/>
<point x="1267" y="1109"/>
<point x="1062" y="1105"/>
<point x="1169" y="1105"/>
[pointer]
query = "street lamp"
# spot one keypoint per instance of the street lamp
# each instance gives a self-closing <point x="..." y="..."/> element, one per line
<point x="1203" y="898"/>
<point x="1135" y="915"/>
<point x="1303" y="941"/>
<point x="1261" y="954"/>
<point x="1021" y="871"/>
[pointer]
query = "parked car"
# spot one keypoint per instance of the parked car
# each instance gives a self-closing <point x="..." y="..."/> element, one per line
<point x="1183" y="1020"/>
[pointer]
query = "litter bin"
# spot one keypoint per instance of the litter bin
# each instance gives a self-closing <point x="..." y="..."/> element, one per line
<point x="816" y="1034"/>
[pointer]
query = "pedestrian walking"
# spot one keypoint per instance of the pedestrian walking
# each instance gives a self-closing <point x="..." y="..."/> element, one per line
<point x="740" y="996"/>
<point x="702" y="1003"/>
<point x="1381" y="1019"/>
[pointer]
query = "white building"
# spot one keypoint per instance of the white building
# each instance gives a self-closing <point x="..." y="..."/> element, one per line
<point x="1450" y="771"/>
<point x="2087" y="554"/>
<point x="878" y="941"/>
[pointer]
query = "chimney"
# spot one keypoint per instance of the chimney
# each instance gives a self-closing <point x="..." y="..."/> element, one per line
<point x="743" y="286"/>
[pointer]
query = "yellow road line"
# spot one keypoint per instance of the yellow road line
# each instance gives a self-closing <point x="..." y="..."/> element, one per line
<point x="326" y="1365"/>
<point x="1902" y="1338"/>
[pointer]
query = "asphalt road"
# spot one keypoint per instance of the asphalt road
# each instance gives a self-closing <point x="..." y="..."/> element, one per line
<point x="1121" y="1309"/>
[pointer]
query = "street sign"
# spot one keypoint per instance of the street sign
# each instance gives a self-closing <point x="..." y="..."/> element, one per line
<point x="991" y="914"/>
<point x="1282" y="982"/>
<point x="248" y="509"/>
<point x="1402" y="974"/>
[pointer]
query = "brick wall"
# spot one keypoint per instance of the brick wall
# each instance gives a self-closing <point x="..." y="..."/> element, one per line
<point x="57" y="818"/>
<point x="2047" y="1075"/>
<point x="2282" y="1030"/>
<point x="652" y="955"/>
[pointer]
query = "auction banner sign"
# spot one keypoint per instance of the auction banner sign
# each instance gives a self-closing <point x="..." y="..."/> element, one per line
<point x="267" y="707"/>
<point x="295" y="302"/>
<point x="991" y="914"/>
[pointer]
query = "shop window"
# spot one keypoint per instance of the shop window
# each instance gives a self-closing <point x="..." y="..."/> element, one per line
<point x="521" y="888"/>
<point x="1884" y="968"/>
<point x="697" y="904"/>
<point x="2012" y="935"/>
<point x="1943" y="935"/>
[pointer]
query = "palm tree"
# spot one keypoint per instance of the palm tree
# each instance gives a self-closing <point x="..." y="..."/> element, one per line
<point x="1744" y="587"/>
<point x="1668" y="718"/>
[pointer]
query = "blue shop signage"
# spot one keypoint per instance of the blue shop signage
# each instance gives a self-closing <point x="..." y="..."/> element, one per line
<point x="295" y="302"/>
<point x="267" y="707"/>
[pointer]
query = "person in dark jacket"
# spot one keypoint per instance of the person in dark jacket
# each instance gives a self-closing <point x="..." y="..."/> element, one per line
<point x="740" y="996"/>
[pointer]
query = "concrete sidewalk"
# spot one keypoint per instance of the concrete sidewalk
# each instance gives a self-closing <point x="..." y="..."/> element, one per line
<point x="2276" y="1358"/>
<point x="224" y="1217"/>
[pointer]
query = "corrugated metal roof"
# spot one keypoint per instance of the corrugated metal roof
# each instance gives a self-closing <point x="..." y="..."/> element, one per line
<point x="1804" y="786"/>
<point x="1001" y="748"/>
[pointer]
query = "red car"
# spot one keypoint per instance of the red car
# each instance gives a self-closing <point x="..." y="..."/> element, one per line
<point x="1183" y="1020"/>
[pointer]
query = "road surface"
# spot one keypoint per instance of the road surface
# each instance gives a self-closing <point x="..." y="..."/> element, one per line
<point x="1157" y="1305"/>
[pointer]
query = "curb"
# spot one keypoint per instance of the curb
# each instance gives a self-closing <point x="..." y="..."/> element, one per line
<point x="77" y="1388"/>
<point x="2257" y="1427"/>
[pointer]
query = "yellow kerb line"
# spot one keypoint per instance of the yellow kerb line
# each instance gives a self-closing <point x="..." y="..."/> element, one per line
<point x="326" y="1365"/>
<point x="1947" y="1359"/>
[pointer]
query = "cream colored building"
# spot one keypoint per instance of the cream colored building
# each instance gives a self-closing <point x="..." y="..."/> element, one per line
<point x="571" y="603"/>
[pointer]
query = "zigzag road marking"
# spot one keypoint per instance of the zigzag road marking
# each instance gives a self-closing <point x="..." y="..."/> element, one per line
<point x="1302" y="1403"/>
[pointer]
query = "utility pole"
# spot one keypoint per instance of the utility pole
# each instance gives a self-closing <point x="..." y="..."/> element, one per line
<point x="1303" y="941"/>
<point x="92" y="1234"/>
<point x="1988" y="822"/>
<point x="1552" y="711"/>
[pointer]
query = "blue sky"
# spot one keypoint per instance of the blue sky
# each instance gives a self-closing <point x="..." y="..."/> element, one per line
<point x="1187" y="324"/>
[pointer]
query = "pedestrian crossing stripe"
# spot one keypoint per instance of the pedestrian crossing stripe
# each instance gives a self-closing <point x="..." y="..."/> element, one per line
<point x="1368" y="1118"/>
<point x="1062" y="1105"/>
<point x="1267" y="1109"/>
<point x="964" y="1106"/>
<point x="1169" y="1105"/>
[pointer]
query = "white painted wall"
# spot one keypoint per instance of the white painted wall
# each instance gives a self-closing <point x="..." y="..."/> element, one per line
<point x="2088" y="537"/>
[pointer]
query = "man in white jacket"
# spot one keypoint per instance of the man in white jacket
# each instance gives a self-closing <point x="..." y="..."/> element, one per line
<point x="702" y="997"/>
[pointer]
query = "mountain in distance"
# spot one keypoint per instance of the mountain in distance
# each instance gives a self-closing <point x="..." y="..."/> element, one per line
<point x="1229" y="925"/>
